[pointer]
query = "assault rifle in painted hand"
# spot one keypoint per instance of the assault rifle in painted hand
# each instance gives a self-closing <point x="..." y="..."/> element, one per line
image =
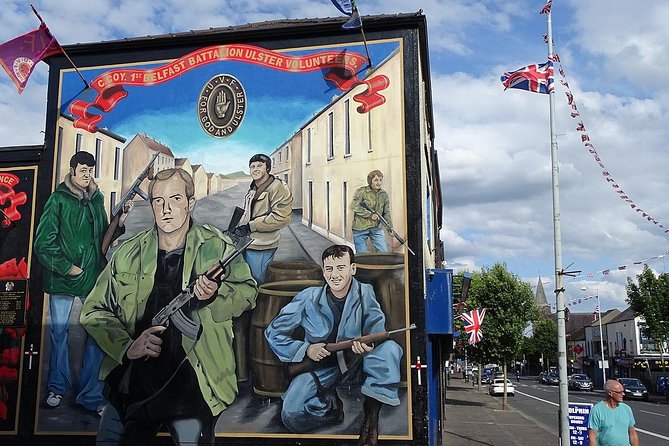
<point x="172" y="312"/>
<point x="232" y="230"/>
<point x="134" y="189"/>
<point x="388" y="226"/>
<point x="308" y="364"/>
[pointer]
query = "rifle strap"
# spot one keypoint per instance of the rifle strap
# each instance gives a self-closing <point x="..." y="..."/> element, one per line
<point x="320" y="390"/>
<point x="341" y="362"/>
<point x="134" y="407"/>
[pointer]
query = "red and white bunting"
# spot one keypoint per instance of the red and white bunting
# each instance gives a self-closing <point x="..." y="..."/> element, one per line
<point x="574" y="302"/>
<point x="606" y="272"/>
<point x="585" y="138"/>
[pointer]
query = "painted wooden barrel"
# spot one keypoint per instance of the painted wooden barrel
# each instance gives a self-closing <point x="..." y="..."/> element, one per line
<point x="282" y="270"/>
<point x="270" y="377"/>
<point x="277" y="271"/>
<point x="385" y="272"/>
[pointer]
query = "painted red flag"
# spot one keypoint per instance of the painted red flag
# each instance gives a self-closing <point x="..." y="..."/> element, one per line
<point x="20" y="55"/>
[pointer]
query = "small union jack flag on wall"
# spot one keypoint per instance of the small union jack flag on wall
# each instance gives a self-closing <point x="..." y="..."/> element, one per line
<point x="472" y="322"/>
<point x="537" y="78"/>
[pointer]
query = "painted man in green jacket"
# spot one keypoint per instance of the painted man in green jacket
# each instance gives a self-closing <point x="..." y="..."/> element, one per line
<point x="366" y="223"/>
<point x="156" y="375"/>
<point x="67" y="244"/>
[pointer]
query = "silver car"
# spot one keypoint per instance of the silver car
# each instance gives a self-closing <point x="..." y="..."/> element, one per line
<point x="579" y="381"/>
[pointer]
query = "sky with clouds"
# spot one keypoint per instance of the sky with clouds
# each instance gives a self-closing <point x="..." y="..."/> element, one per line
<point x="493" y="145"/>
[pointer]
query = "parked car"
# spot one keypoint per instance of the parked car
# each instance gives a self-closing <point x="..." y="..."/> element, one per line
<point x="634" y="388"/>
<point x="553" y="379"/>
<point x="542" y="377"/>
<point x="579" y="381"/>
<point x="492" y="370"/>
<point x="485" y="378"/>
<point x="497" y="387"/>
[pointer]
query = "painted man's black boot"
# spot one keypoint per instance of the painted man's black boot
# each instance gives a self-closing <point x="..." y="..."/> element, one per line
<point x="369" y="433"/>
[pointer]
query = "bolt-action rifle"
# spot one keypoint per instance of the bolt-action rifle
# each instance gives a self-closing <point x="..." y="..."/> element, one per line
<point x="172" y="311"/>
<point x="108" y="237"/>
<point x="388" y="226"/>
<point x="308" y="364"/>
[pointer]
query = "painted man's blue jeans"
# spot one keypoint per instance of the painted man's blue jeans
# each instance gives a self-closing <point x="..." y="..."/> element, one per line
<point x="377" y="237"/>
<point x="258" y="261"/>
<point x="89" y="386"/>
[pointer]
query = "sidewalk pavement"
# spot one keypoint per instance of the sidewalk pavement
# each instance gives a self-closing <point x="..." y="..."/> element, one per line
<point x="309" y="240"/>
<point x="474" y="418"/>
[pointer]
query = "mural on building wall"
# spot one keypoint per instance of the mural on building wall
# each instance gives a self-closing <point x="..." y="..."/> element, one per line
<point x="17" y="191"/>
<point x="289" y="164"/>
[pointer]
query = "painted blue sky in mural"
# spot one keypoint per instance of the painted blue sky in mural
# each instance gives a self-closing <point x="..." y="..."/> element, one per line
<point x="278" y="104"/>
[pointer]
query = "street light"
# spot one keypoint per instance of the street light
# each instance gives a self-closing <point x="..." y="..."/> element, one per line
<point x="601" y="333"/>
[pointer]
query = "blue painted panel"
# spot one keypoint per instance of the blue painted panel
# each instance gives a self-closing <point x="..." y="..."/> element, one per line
<point x="439" y="301"/>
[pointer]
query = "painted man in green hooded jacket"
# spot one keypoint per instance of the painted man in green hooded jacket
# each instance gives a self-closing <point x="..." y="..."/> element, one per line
<point x="173" y="381"/>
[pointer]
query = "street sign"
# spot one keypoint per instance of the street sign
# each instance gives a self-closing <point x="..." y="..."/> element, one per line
<point x="579" y="413"/>
<point x="578" y="349"/>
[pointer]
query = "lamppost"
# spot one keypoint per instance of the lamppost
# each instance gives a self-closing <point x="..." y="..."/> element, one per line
<point x="601" y="333"/>
<point x="664" y="370"/>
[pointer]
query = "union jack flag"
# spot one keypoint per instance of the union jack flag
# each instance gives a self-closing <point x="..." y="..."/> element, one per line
<point x="472" y="322"/>
<point x="547" y="8"/>
<point x="570" y="98"/>
<point x="595" y="314"/>
<point x="537" y="78"/>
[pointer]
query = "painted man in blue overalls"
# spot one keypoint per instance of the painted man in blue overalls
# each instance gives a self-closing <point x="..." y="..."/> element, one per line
<point x="340" y="310"/>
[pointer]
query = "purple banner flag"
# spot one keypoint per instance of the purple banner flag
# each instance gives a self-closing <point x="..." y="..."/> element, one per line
<point x="20" y="55"/>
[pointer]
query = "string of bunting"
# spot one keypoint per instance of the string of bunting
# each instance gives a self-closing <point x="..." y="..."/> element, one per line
<point x="606" y="272"/>
<point x="574" y="302"/>
<point x="585" y="138"/>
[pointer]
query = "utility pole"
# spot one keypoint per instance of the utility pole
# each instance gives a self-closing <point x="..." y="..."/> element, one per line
<point x="563" y="416"/>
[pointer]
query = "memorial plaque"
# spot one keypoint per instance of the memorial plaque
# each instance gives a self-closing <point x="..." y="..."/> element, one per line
<point x="13" y="298"/>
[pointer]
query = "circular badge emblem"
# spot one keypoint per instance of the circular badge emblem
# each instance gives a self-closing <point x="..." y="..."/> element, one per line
<point x="22" y="67"/>
<point x="221" y="105"/>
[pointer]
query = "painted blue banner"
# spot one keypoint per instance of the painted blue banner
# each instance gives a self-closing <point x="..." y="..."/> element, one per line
<point x="579" y="413"/>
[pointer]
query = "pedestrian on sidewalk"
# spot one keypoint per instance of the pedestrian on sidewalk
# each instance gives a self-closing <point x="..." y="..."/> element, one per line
<point x="612" y="421"/>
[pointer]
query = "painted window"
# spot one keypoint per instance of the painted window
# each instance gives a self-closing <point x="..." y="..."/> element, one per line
<point x="330" y="141"/>
<point x="117" y="162"/>
<point x="98" y="155"/>
<point x="347" y="127"/>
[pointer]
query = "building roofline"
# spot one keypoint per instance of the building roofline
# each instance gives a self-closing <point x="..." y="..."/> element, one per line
<point x="285" y="28"/>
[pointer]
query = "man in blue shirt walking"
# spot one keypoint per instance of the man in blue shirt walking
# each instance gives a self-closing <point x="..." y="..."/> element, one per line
<point x="611" y="421"/>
